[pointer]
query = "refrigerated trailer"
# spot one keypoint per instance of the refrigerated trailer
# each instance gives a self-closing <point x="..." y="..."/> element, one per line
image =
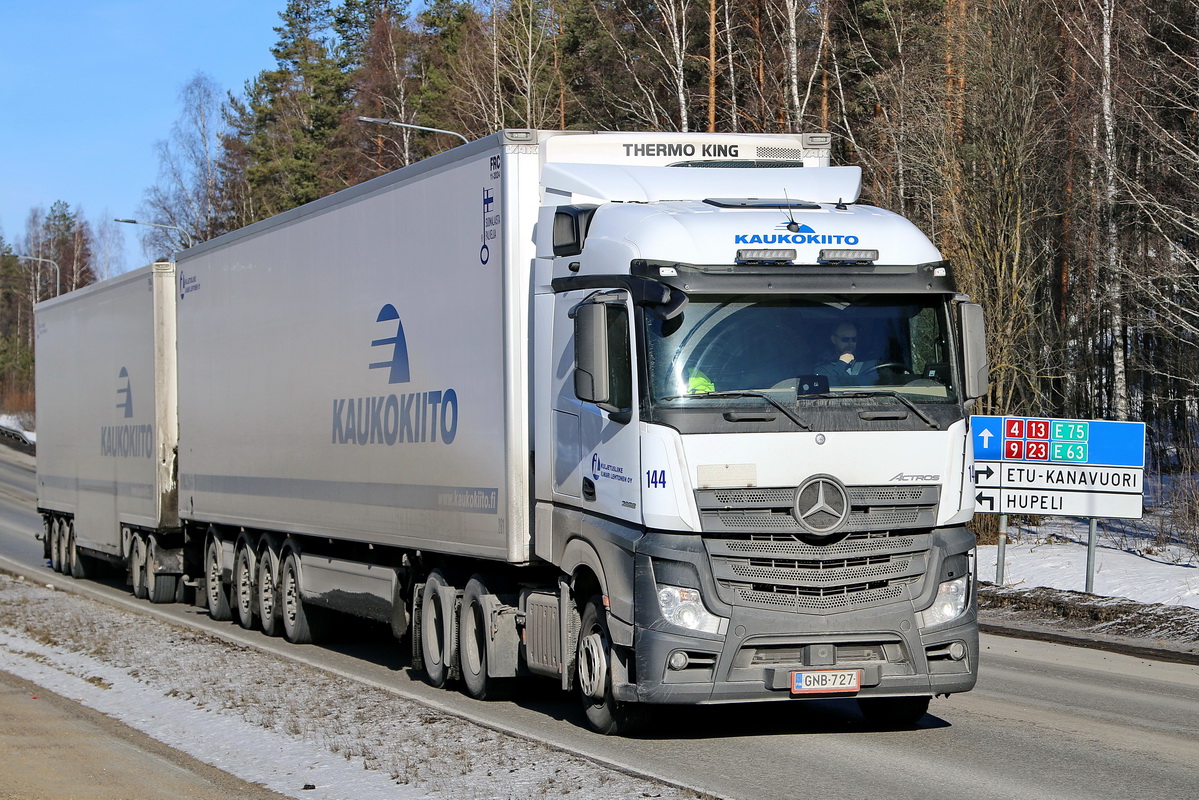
<point x="663" y="418"/>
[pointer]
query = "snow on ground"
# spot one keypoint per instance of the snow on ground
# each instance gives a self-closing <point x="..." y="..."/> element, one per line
<point x="295" y="729"/>
<point x="10" y="421"/>
<point x="255" y="755"/>
<point x="1129" y="562"/>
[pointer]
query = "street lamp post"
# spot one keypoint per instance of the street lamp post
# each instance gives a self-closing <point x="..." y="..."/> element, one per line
<point x="377" y="121"/>
<point x="57" y="271"/>
<point x="188" y="236"/>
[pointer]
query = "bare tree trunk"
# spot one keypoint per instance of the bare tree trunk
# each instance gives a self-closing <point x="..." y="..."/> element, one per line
<point x="734" y="111"/>
<point x="1115" y="289"/>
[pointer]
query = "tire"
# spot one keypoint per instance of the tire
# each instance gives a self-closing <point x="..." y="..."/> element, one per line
<point x="214" y="590"/>
<point x="159" y="588"/>
<point x="436" y="652"/>
<point x="472" y="646"/>
<point x="48" y="524"/>
<point x="242" y="591"/>
<point x="302" y="624"/>
<point x="893" y="712"/>
<point x="56" y="545"/>
<point x="80" y="565"/>
<point x="266" y="593"/>
<point x="593" y="676"/>
<point x="138" y="556"/>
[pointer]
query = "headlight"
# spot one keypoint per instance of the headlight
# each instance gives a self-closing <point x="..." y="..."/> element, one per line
<point x="685" y="608"/>
<point x="950" y="602"/>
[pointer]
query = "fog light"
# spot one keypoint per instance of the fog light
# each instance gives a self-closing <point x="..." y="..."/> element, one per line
<point x="678" y="660"/>
<point x="957" y="651"/>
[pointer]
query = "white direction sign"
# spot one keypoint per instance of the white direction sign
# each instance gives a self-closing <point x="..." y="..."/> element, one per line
<point x="1047" y="466"/>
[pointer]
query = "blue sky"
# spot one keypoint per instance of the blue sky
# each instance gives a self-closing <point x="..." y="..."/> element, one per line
<point x="87" y="88"/>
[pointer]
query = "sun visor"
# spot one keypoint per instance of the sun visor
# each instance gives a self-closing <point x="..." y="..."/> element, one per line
<point x="639" y="184"/>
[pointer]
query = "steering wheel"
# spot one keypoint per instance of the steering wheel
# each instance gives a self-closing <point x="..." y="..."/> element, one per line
<point x="894" y="365"/>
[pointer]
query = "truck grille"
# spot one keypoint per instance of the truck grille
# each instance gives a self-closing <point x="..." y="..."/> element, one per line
<point x="872" y="508"/>
<point x="759" y="559"/>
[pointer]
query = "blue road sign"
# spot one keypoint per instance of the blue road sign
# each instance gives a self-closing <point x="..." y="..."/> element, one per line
<point x="1039" y="439"/>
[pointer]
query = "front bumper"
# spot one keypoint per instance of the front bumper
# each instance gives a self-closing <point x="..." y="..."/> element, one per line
<point x="760" y="648"/>
<point x="758" y="665"/>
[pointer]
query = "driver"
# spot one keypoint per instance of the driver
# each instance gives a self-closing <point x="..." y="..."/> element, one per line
<point x="844" y="368"/>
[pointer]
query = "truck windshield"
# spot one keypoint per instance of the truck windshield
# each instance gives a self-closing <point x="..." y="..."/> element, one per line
<point x="792" y="348"/>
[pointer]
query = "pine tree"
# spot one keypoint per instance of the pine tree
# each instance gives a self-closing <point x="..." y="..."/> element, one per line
<point x="291" y="112"/>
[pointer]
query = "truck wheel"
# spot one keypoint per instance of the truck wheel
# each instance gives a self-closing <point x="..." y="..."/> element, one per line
<point x="80" y="565"/>
<point x="137" y="566"/>
<point x="214" y="590"/>
<point x="435" y="650"/>
<point x="301" y="622"/>
<point x="159" y="588"/>
<point x="56" y="545"/>
<point x="244" y="598"/>
<point x="266" y="591"/>
<point x="48" y="524"/>
<point x="893" y="712"/>
<point x="472" y="645"/>
<point x="64" y="530"/>
<point x="593" y="675"/>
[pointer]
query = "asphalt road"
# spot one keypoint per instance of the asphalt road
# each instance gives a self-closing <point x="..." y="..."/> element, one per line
<point x="1046" y="721"/>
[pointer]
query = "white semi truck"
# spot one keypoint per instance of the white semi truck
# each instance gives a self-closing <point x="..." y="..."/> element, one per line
<point x="664" y="418"/>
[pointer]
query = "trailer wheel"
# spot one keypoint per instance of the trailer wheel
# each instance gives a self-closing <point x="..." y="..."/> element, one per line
<point x="138" y="567"/>
<point x="244" y="598"/>
<point x="266" y="592"/>
<point x="605" y="714"/>
<point x="436" y="652"/>
<point x="301" y="622"/>
<point x="159" y="588"/>
<point x="893" y="712"/>
<point x="80" y="565"/>
<point x="472" y="645"/>
<point x="214" y="590"/>
<point x="56" y="545"/>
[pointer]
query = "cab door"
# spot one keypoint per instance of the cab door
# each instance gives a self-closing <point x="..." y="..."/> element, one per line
<point x="597" y="451"/>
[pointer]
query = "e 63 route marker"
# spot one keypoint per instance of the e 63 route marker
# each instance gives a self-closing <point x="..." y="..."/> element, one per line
<point x="1062" y="467"/>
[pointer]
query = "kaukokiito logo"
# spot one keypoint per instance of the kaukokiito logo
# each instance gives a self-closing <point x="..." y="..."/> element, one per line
<point x="398" y="418"/>
<point x="806" y="234"/>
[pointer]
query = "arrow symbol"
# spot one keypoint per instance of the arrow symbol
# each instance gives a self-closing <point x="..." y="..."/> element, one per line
<point x="988" y="471"/>
<point x="986" y="437"/>
<point x="980" y="497"/>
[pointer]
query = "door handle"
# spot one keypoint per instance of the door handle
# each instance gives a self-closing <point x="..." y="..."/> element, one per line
<point x="588" y="489"/>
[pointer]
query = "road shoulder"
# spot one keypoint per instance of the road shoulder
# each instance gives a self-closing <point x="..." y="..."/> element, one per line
<point x="56" y="748"/>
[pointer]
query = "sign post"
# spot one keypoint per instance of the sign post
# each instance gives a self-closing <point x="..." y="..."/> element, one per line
<point x="1059" y="467"/>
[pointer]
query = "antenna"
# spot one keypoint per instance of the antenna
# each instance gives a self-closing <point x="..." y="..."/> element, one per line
<point x="792" y="225"/>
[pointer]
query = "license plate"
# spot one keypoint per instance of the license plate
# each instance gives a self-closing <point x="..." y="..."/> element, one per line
<point x="826" y="681"/>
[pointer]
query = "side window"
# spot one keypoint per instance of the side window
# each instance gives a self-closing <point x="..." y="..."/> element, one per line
<point x="926" y="340"/>
<point x="620" y="362"/>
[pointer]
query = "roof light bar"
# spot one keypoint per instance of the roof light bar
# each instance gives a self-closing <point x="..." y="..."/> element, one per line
<point x="760" y="256"/>
<point x="847" y="256"/>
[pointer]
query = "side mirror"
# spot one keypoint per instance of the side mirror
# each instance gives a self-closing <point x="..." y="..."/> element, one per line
<point x="974" y="351"/>
<point x="591" y="353"/>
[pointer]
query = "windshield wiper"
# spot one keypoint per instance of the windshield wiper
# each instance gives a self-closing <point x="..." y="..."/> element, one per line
<point x="884" y="393"/>
<point x="791" y="415"/>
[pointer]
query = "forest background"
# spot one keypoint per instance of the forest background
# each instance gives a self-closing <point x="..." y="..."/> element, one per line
<point x="1049" y="147"/>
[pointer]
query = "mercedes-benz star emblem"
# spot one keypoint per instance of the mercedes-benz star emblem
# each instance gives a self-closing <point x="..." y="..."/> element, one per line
<point x="821" y="505"/>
